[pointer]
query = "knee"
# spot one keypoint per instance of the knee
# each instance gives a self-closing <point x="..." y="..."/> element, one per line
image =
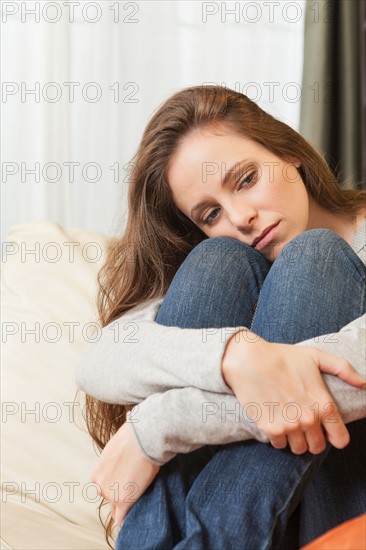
<point x="222" y="253"/>
<point x="311" y="246"/>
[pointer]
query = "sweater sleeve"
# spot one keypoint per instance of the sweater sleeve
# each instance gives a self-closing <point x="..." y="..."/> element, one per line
<point x="135" y="357"/>
<point x="174" y="379"/>
<point x="182" y="420"/>
<point x="349" y="342"/>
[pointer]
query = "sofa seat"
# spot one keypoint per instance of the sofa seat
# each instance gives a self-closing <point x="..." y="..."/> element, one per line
<point x="48" y="286"/>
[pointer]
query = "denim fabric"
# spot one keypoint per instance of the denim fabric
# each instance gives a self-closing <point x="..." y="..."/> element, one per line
<point x="248" y="495"/>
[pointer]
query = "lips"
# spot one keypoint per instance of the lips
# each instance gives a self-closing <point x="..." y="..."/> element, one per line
<point x="263" y="234"/>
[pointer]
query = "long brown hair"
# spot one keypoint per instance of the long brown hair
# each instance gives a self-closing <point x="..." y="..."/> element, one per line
<point x="142" y="262"/>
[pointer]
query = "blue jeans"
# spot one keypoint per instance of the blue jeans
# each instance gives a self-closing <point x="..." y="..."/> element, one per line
<point x="248" y="495"/>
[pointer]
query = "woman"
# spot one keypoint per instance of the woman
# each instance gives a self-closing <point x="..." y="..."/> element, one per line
<point x="234" y="221"/>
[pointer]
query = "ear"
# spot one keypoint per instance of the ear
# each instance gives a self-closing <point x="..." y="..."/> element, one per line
<point x="295" y="161"/>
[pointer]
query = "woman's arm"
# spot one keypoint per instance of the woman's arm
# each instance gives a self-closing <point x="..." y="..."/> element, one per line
<point x="135" y="357"/>
<point x="103" y="373"/>
<point x="182" y="420"/>
<point x="289" y="377"/>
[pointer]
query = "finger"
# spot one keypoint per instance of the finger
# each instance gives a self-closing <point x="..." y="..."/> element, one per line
<point x="297" y="442"/>
<point x="336" y="431"/>
<point x="278" y="442"/>
<point x="338" y="366"/>
<point x="120" y="516"/>
<point x="315" y="439"/>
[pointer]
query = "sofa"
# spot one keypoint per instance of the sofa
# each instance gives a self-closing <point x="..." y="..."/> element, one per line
<point x="48" y="500"/>
<point x="49" y="288"/>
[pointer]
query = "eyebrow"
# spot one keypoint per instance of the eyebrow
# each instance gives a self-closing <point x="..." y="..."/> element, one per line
<point x="227" y="178"/>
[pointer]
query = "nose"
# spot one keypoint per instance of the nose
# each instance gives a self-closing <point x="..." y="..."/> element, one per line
<point x="242" y="218"/>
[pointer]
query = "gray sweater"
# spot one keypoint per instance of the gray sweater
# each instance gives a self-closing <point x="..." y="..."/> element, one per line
<point x="174" y="375"/>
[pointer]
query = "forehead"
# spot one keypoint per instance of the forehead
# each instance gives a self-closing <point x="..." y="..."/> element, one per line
<point x="203" y="147"/>
<point x="202" y="144"/>
<point x="202" y="159"/>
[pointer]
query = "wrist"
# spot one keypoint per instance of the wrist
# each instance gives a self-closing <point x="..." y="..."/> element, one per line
<point x="240" y="348"/>
<point x="226" y="363"/>
<point x="233" y="356"/>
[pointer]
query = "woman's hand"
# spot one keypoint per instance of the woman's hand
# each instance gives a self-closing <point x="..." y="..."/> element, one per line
<point x="281" y="389"/>
<point x="123" y="473"/>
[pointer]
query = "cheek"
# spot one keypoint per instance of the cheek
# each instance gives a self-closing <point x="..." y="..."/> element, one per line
<point x="223" y="229"/>
<point x="275" y="193"/>
<point x="218" y="231"/>
<point x="289" y="189"/>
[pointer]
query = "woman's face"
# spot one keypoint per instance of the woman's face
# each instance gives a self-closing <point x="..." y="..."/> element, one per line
<point x="245" y="189"/>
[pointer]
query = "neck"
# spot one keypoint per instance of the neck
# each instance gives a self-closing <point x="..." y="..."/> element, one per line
<point x="345" y="225"/>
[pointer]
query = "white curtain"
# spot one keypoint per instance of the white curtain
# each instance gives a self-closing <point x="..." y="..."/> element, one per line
<point x="134" y="55"/>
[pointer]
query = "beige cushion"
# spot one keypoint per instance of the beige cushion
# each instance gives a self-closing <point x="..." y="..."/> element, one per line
<point x="47" y="454"/>
<point x="27" y="528"/>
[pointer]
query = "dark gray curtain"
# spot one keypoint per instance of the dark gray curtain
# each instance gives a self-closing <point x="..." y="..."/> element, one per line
<point x="333" y="106"/>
